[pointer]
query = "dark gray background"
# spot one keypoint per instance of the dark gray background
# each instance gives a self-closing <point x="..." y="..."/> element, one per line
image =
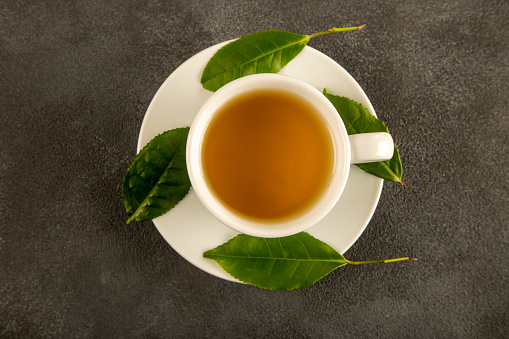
<point x="76" y="78"/>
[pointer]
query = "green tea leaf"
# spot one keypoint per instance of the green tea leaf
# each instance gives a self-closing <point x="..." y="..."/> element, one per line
<point x="260" y="52"/>
<point x="277" y="263"/>
<point x="281" y="263"/>
<point x="357" y="119"/>
<point x="157" y="178"/>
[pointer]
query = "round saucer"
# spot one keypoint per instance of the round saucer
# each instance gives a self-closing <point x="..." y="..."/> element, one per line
<point x="189" y="228"/>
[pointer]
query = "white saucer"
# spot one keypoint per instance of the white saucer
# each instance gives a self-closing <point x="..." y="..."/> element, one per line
<point x="189" y="228"/>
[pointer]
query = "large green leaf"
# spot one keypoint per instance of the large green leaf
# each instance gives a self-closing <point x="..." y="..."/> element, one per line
<point x="261" y="52"/>
<point x="277" y="263"/>
<point x="357" y="119"/>
<point x="157" y="178"/>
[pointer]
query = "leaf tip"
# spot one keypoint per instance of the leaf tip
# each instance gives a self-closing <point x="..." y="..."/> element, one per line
<point x="208" y="86"/>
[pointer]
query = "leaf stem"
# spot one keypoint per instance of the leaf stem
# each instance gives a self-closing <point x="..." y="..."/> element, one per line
<point x="383" y="261"/>
<point x="335" y="30"/>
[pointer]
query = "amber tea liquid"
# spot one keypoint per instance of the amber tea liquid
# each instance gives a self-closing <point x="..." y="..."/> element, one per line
<point x="267" y="155"/>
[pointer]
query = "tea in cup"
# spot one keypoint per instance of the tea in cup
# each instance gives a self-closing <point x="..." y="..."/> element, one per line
<point x="269" y="156"/>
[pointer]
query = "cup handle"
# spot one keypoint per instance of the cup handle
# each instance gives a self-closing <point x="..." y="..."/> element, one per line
<point x="371" y="147"/>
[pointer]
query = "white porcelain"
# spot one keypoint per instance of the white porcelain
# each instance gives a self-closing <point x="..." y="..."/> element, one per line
<point x="371" y="147"/>
<point x="366" y="147"/>
<point x="189" y="228"/>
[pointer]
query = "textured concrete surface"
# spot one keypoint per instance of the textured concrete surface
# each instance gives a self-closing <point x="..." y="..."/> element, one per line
<point x="76" y="78"/>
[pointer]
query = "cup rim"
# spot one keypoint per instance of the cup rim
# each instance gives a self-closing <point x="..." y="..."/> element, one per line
<point x="322" y="205"/>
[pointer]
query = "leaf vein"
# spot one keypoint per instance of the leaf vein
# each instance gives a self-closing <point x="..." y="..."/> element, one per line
<point x="295" y="269"/>
<point x="274" y="258"/>
<point x="309" y="271"/>
<point x="268" y="247"/>
<point x="282" y="250"/>
<point x="304" y="247"/>
<point x="271" y="268"/>
<point x="247" y="250"/>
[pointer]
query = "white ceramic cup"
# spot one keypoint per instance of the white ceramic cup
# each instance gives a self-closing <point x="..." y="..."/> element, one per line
<point x="358" y="148"/>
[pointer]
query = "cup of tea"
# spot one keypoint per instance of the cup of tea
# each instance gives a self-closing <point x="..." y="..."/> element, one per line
<point x="269" y="156"/>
